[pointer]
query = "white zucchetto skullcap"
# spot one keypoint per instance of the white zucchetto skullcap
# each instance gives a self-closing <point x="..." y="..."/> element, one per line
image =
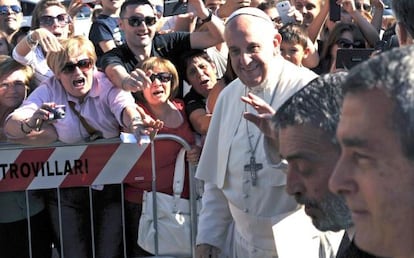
<point x="252" y="11"/>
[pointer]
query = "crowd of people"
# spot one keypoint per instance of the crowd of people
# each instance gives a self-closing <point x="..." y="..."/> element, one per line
<point x="298" y="155"/>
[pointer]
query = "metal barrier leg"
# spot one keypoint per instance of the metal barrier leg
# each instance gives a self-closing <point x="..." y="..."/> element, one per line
<point x="29" y="228"/>
<point x="154" y="197"/>
<point x="92" y="220"/>
<point x="123" y="220"/>
<point x="60" y="223"/>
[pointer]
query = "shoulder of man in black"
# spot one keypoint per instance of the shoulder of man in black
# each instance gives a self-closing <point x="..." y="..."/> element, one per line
<point x="121" y="55"/>
<point x="171" y="45"/>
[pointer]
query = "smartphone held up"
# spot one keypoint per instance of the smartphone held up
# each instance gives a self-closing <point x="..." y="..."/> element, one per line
<point x="174" y="7"/>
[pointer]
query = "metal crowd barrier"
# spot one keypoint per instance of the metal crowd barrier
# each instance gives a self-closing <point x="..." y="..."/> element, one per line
<point x="58" y="165"/>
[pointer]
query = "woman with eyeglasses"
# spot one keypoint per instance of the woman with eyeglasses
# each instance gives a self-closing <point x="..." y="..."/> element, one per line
<point x="157" y="99"/>
<point x="14" y="234"/>
<point x="76" y="105"/>
<point x="343" y="35"/>
<point x="50" y="22"/>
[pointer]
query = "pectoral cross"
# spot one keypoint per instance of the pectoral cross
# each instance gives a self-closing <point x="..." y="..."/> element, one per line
<point x="253" y="167"/>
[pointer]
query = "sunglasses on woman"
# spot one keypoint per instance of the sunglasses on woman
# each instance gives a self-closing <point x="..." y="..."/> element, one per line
<point x="84" y="64"/>
<point x="366" y="7"/>
<point x="5" y="9"/>
<point x="345" y="43"/>
<point x="47" y="20"/>
<point x="162" y="77"/>
<point x="136" y="21"/>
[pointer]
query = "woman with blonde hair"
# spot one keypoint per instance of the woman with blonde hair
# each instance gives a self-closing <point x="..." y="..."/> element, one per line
<point x="94" y="109"/>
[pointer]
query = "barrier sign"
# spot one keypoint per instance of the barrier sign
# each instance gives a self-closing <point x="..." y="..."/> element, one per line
<point x="68" y="166"/>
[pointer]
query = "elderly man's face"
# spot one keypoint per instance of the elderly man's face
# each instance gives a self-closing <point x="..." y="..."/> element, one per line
<point x="251" y="50"/>
<point x="374" y="175"/>
<point x="10" y="21"/>
<point x="311" y="157"/>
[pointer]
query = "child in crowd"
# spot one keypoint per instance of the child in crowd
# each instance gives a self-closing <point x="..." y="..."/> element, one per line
<point x="294" y="45"/>
<point x="105" y="33"/>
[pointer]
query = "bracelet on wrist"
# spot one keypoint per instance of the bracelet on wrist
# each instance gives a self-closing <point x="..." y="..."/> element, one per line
<point x="24" y="123"/>
<point x="135" y="121"/>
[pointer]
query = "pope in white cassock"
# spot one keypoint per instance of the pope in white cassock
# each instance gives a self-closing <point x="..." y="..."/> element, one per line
<point x="244" y="194"/>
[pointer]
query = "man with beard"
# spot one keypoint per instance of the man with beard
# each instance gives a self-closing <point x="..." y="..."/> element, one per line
<point x="303" y="133"/>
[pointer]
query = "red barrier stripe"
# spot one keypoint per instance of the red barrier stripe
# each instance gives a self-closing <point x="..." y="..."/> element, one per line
<point x="21" y="173"/>
<point x="96" y="157"/>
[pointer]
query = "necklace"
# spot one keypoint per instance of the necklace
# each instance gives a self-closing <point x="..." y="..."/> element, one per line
<point x="252" y="167"/>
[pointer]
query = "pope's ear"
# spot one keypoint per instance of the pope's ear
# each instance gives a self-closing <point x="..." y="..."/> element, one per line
<point x="277" y="40"/>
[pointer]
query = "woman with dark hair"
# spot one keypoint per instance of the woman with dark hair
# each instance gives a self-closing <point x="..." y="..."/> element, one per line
<point x="343" y="35"/>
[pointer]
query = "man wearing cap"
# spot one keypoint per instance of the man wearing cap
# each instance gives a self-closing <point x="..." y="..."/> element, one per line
<point x="244" y="195"/>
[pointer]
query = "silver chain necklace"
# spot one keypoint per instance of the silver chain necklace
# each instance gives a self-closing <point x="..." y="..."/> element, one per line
<point x="252" y="166"/>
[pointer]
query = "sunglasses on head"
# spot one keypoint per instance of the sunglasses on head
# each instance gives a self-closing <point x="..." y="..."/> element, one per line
<point x="366" y="7"/>
<point x="162" y="77"/>
<point x="135" y="21"/>
<point x="84" y="65"/>
<point x="5" y="9"/>
<point x="47" y="20"/>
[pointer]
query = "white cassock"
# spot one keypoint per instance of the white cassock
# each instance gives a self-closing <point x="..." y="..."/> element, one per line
<point x="296" y="236"/>
<point x="233" y="207"/>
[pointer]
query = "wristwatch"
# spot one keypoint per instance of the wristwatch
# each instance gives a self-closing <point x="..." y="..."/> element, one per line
<point x="208" y="19"/>
<point x="32" y="43"/>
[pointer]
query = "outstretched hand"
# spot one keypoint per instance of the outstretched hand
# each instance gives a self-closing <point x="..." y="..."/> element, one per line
<point x="263" y="120"/>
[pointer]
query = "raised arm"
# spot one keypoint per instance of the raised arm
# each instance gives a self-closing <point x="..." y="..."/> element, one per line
<point x="369" y="32"/>
<point x="214" y="25"/>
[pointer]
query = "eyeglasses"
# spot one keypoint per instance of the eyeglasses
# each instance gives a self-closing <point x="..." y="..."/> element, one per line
<point x="84" y="65"/>
<point x="5" y="9"/>
<point x="135" y="21"/>
<point x="162" y="77"/>
<point x="47" y="20"/>
<point x="15" y="84"/>
<point x="366" y="7"/>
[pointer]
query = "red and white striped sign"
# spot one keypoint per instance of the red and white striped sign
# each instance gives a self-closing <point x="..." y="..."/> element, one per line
<point x="67" y="166"/>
